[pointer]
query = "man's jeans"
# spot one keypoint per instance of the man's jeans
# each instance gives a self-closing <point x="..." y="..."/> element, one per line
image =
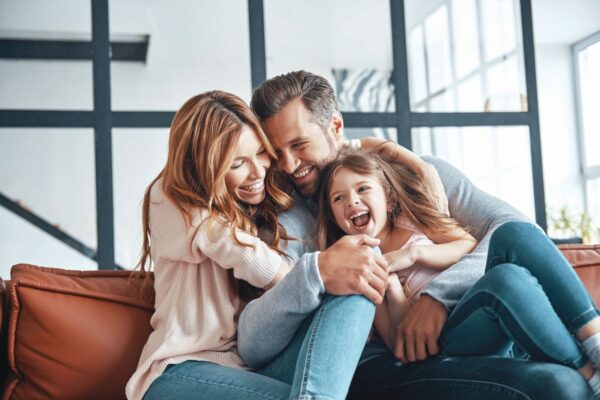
<point x="529" y="296"/>
<point x="317" y="364"/>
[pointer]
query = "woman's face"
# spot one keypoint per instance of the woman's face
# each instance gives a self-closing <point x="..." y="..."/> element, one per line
<point x="246" y="177"/>
<point x="358" y="203"/>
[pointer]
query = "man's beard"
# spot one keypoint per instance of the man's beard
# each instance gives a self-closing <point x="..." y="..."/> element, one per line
<point x="309" y="190"/>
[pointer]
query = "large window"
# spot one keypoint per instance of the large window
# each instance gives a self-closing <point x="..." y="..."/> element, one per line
<point x="451" y="78"/>
<point x="466" y="55"/>
<point x="586" y="55"/>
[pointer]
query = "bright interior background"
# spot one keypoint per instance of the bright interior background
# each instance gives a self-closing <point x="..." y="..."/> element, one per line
<point x="464" y="55"/>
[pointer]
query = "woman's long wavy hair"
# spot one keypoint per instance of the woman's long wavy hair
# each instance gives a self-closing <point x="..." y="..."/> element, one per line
<point x="405" y="191"/>
<point x="203" y="137"/>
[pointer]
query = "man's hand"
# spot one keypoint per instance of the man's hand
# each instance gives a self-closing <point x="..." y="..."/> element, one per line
<point x="350" y="266"/>
<point x="418" y="333"/>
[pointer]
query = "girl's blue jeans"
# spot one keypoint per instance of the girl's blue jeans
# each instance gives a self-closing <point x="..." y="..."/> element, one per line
<point x="529" y="297"/>
<point x="318" y="364"/>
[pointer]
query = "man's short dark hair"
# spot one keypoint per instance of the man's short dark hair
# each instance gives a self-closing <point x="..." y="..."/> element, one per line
<point x="275" y="93"/>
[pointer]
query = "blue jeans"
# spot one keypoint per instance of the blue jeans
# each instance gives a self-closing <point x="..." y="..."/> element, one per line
<point x="317" y="364"/>
<point x="529" y="296"/>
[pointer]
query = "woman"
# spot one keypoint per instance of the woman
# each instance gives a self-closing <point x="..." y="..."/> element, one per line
<point x="201" y="216"/>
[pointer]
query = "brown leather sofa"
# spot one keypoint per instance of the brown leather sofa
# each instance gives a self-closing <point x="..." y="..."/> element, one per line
<point x="78" y="334"/>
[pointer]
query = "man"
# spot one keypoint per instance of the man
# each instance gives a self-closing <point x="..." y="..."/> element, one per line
<point x="300" y="116"/>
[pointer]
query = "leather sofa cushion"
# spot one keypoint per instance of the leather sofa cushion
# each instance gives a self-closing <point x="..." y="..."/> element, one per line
<point x="586" y="261"/>
<point x="74" y="334"/>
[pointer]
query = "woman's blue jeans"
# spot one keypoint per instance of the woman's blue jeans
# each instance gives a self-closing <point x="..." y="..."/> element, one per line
<point x="318" y="364"/>
<point x="529" y="296"/>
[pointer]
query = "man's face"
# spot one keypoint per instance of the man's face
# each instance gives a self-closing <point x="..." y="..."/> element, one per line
<point x="302" y="145"/>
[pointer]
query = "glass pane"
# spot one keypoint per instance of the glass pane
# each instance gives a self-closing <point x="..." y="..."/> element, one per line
<point x="346" y="41"/>
<point x="589" y="75"/>
<point x="138" y="156"/>
<point x="478" y="65"/>
<point x="505" y="91"/>
<point x="418" y="64"/>
<point x="496" y="159"/>
<point x="470" y="95"/>
<point x="593" y="203"/>
<point x="51" y="173"/>
<point x="437" y="47"/>
<point x="466" y="43"/>
<point x="45" y="84"/>
<point x="21" y="242"/>
<point x="193" y="47"/>
<point x="357" y="133"/>
<point x="499" y="26"/>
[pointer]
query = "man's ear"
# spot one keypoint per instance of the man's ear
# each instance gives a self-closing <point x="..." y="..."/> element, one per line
<point x="337" y="125"/>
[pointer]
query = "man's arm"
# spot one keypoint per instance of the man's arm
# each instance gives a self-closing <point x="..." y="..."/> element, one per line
<point x="481" y="213"/>
<point x="268" y="324"/>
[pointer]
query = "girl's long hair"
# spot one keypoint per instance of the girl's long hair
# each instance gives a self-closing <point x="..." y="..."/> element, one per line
<point x="405" y="191"/>
<point x="203" y="137"/>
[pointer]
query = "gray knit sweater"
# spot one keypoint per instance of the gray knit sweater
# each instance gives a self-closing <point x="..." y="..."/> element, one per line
<point x="267" y="324"/>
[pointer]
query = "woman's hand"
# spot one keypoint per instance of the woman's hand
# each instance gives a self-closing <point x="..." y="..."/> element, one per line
<point x="436" y="188"/>
<point x="401" y="259"/>
<point x="426" y="171"/>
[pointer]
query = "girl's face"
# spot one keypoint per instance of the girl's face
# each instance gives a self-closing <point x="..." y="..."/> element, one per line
<point x="246" y="177"/>
<point x="359" y="203"/>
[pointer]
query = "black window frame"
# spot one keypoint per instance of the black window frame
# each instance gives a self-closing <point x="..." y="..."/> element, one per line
<point x="102" y="118"/>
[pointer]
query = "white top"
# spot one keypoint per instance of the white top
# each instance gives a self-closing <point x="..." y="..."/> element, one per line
<point x="196" y="313"/>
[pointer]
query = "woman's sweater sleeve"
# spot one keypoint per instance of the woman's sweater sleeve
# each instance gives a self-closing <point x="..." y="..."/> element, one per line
<point x="268" y="324"/>
<point x="256" y="263"/>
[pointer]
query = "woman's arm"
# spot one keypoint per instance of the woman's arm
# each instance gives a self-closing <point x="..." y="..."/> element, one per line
<point x="420" y="167"/>
<point x="284" y="268"/>
<point x="396" y="152"/>
<point x="252" y="261"/>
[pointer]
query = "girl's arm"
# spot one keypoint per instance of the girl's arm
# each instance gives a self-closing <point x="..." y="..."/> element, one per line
<point x="420" y="167"/>
<point x="447" y="251"/>
<point x="383" y="325"/>
<point x="390" y="312"/>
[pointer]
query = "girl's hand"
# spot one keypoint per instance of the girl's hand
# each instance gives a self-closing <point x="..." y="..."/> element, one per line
<point x="401" y="259"/>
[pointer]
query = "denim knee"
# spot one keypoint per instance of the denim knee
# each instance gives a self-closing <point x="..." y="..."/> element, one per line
<point x="509" y="230"/>
<point x="353" y="304"/>
<point x="508" y="279"/>
<point x="561" y="382"/>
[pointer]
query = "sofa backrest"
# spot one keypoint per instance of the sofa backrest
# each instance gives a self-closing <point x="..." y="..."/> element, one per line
<point x="586" y="261"/>
<point x="79" y="334"/>
<point x="74" y="334"/>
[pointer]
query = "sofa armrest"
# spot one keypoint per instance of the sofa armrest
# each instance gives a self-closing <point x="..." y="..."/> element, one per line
<point x="585" y="259"/>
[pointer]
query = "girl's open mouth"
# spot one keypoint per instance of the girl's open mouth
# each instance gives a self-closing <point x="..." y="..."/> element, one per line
<point x="360" y="219"/>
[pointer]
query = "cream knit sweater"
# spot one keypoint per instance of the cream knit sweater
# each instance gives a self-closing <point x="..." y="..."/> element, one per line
<point x="196" y="312"/>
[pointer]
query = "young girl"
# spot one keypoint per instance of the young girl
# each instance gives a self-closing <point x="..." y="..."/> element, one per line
<point x="363" y="194"/>
<point x="529" y="296"/>
<point x="201" y="216"/>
